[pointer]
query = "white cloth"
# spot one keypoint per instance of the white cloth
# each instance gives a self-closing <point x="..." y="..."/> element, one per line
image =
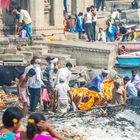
<point x="81" y="19"/>
<point x="94" y="19"/>
<point x="62" y="90"/>
<point x="54" y="61"/>
<point x="23" y="33"/>
<point x="28" y="68"/>
<point x="63" y="106"/>
<point x="115" y="15"/>
<point x="89" y="18"/>
<point x="102" y="36"/>
<point x="65" y="73"/>
<point x="36" y="80"/>
<point x="105" y="71"/>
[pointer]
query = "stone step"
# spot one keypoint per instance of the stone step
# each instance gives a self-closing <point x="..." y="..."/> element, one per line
<point x="37" y="37"/>
<point x="63" y="58"/>
<point x="4" y="42"/>
<point x="60" y="56"/>
<point x="71" y="36"/>
<point x="10" y="50"/>
<point x="14" y="63"/>
<point x="12" y="57"/>
<point x="38" y="50"/>
<point x="2" y="49"/>
<point x="39" y="42"/>
<point x="27" y="55"/>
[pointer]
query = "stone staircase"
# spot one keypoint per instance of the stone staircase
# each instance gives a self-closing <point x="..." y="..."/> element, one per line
<point x="10" y="55"/>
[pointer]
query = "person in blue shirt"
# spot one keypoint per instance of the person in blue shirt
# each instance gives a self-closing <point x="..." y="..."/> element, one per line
<point x="124" y="32"/>
<point x="131" y="91"/>
<point x="78" y="26"/>
<point x="110" y="31"/>
<point x="97" y="81"/>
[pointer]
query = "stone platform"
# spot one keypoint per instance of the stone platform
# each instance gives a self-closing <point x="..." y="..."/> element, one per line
<point x="92" y="54"/>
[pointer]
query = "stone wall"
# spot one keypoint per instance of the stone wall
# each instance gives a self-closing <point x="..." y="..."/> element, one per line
<point x="76" y="6"/>
<point x="96" y="55"/>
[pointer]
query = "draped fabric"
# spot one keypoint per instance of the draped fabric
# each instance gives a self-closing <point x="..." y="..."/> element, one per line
<point x="4" y="3"/>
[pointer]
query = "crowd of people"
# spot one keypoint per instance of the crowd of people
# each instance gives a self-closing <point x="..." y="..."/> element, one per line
<point x="86" y="26"/>
<point x="123" y="91"/>
<point x="18" y="125"/>
<point x="33" y="86"/>
<point x="53" y="92"/>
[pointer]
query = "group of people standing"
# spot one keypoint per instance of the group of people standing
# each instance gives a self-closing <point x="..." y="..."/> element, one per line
<point x="32" y="82"/>
<point x="86" y="26"/>
<point x="123" y="91"/>
<point x="82" y="24"/>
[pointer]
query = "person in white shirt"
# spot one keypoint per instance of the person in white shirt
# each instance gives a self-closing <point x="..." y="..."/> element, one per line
<point x="115" y="14"/>
<point x="101" y="35"/>
<point x="31" y="64"/>
<point x="94" y="20"/>
<point x="88" y="25"/>
<point x="64" y="72"/>
<point x="35" y="83"/>
<point x="62" y="96"/>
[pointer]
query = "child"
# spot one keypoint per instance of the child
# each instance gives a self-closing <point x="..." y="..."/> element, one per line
<point x="119" y="93"/>
<point x="101" y="35"/>
<point x="133" y="35"/>
<point x="62" y="96"/>
<point x="11" y="120"/>
<point x="37" y="129"/>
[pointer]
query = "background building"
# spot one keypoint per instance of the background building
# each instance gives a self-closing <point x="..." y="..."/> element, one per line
<point x="47" y="15"/>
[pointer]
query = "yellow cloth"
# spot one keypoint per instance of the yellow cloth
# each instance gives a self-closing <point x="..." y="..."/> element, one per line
<point x="24" y="16"/>
<point x="135" y="35"/>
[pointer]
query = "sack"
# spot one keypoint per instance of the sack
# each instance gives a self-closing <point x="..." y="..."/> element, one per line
<point x="44" y="95"/>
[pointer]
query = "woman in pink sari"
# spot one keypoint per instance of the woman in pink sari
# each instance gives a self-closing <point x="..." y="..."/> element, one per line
<point x="37" y="129"/>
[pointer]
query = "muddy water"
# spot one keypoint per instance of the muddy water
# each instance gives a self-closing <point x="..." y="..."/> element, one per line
<point x="123" y="126"/>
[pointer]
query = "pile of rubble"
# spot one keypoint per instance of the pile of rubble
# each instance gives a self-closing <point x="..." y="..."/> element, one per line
<point x="124" y="126"/>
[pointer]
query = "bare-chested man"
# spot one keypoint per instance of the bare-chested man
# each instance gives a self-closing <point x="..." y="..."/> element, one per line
<point x="22" y="89"/>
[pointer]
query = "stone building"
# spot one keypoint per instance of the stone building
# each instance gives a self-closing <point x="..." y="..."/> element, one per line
<point x="47" y="15"/>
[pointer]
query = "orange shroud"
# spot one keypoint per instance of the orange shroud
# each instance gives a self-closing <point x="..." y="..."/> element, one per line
<point x="85" y="99"/>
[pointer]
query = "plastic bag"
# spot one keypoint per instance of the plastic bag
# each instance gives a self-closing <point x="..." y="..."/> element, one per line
<point x="44" y="95"/>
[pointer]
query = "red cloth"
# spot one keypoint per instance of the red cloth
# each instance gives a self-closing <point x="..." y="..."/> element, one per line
<point x="4" y="3"/>
<point x="44" y="95"/>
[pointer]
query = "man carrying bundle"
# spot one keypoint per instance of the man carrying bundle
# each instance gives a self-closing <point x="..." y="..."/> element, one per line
<point x="97" y="81"/>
